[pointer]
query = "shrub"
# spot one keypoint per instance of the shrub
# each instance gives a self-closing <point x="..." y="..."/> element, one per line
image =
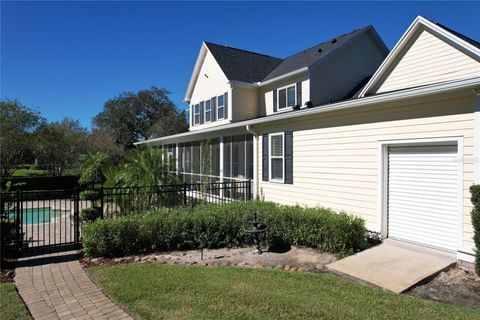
<point x="91" y="195"/>
<point x="90" y="214"/>
<point x="475" y="191"/>
<point x="217" y="226"/>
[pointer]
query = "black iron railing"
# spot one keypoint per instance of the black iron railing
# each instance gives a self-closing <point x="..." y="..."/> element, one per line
<point x="36" y="219"/>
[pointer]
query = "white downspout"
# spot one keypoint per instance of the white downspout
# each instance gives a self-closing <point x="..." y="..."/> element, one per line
<point x="255" y="159"/>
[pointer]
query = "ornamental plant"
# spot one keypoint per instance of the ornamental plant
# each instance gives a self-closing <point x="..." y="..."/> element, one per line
<point x="475" y="191"/>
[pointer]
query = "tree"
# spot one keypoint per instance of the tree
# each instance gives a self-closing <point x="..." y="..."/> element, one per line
<point x="103" y="141"/>
<point x="132" y="117"/>
<point x="93" y="167"/>
<point x="145" y="167"/>
<point x="59" y="145"/>
<point x="17" y="124"/>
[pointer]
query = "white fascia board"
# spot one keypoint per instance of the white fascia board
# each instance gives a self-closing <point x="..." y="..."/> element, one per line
<point x="242" y="84"/>
<point x="284" y="76"/>
<point x="196" y="70"/>
<point x="342" y="105"/>
<point x="415" y="26"/>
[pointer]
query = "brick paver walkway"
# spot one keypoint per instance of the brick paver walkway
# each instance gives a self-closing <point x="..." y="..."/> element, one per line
<point x="54" y="286"/>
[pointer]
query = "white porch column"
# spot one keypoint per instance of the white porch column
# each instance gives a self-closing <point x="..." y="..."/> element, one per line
<point x="255" y="164"/>
<point x="476" y="160"/>
<point x="221" y="165"/>
<point x="177" y="161"/>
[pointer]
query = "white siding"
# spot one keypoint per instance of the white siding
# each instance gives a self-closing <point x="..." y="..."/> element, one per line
<point x="211" y="82"/>
<point x="266" y="92"/>
<point x="339" y="75"/>
<point x="429" y="60"/>
<point x="336" y="155"/>
<point x="244" y="102"/>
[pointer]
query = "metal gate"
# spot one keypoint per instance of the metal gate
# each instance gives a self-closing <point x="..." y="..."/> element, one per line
<point x="40" y="221"/>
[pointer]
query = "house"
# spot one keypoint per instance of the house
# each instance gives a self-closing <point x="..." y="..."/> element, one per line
<point x="391" y="137"/>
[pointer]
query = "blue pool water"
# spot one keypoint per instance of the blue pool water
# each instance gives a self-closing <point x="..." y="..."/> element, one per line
<point x="37" y="215"/>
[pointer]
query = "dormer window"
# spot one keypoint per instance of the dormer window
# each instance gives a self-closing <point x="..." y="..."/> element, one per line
<point x="287" y="97"/>
<point x="196" y="114"/>
<point x="208" y="111"/>
<point x="220" y="107"/>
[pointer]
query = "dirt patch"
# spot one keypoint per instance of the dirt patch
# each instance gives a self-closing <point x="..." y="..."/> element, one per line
<point x="294" y="259"/>
<point x="456" y="286"/>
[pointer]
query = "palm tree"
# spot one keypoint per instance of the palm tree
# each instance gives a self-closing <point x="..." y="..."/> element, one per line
<point x="93" y="167"/>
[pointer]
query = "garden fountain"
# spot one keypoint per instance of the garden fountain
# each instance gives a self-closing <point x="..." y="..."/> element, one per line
<point x="257" y="230"/>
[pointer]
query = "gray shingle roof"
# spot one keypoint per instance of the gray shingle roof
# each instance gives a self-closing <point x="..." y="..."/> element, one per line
<point x="247" y="66"/>
<point x="458" y="34"/>
<point x="309" y="56"/>
<point x="242" y="65"/>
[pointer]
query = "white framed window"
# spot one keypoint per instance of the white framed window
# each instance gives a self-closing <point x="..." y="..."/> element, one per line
<point x="208" y="111"/>
<point x="276" y="157"/>
<point x="220" y="107"/>
<point x="196" y="114"/>
<point x="286" y="97"/>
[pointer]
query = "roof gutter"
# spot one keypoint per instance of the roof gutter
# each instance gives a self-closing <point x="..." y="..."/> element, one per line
<point x="286" y="75"/>
<point x="473" y="83"/>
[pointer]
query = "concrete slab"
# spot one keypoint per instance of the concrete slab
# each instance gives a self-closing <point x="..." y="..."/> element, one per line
<point x="395" y="266"/>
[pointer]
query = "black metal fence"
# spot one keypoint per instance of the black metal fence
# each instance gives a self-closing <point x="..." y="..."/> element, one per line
<point x="122" y="201"/>
<point x="52" y="219"/>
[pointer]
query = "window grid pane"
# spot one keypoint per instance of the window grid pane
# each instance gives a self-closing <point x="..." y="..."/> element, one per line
<point x="282" y="99"/>
<point x="291" y="96"/>
<point x="276" y="146"/>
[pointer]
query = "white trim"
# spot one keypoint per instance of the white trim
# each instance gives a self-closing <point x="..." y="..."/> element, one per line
<point x="205" y="111"/>
<point x="476" y="157"/>
<point x="342" y="105"/>
<point x="270" y="157"/>
<point x="196" y="70"/>
<point x="287" y="107"/>
<point x="283" y="76"/>
<point x="383" y="182"/>
<point x="415" y="27"/>
<point x="466" y="256"/>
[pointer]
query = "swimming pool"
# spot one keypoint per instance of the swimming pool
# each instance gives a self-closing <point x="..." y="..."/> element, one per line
<point x="37" y="215"/>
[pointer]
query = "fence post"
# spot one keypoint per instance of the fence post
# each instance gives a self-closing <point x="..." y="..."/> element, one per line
<point x="76" y="218"/>
<point x="101" y="200"/>
<point x="184" y="193"/>
<point x="19" y="224"/>
<point x="249" y="190"/>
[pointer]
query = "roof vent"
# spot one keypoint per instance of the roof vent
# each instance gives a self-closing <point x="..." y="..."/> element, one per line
<point x="334" y="40"/>
<point x="320" y="50"/>
<point x="309" y="104"/>
<point x="296" y="107"/>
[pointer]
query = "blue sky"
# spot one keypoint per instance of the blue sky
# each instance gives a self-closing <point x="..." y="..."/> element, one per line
<point x="66" y="59"/>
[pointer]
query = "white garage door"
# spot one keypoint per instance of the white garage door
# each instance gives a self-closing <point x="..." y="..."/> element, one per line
<point x="423" y="195"/>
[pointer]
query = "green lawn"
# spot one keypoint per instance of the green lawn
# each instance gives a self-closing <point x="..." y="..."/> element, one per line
<point x="194" y="292"/>
<point x="11" y="306"/>
<point x="28" y="173"/>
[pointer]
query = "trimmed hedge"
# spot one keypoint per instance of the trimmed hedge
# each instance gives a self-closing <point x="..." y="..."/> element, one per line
<point x="475" y="191"/>
<point x="217" y="226"/>
<point x="40" y="183"/>
<point x="90" y="214"/>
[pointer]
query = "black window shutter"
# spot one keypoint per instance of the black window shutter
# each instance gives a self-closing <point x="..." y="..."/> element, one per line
<point x="225" y="104"/>
<point x="299" y="93"/>
<point x="213" y="106"/>
<point x="265" y="157"/>
<point x="191" y="116"/>
<point x="201" y="113"/>
<point x="275" y="100"/>
<point x="289" y="157"/>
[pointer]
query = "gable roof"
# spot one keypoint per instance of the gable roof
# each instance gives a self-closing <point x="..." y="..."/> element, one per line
<point x="308" y="57"/>
<point x="242" y="65"/>
<point x="461" y="42"/>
